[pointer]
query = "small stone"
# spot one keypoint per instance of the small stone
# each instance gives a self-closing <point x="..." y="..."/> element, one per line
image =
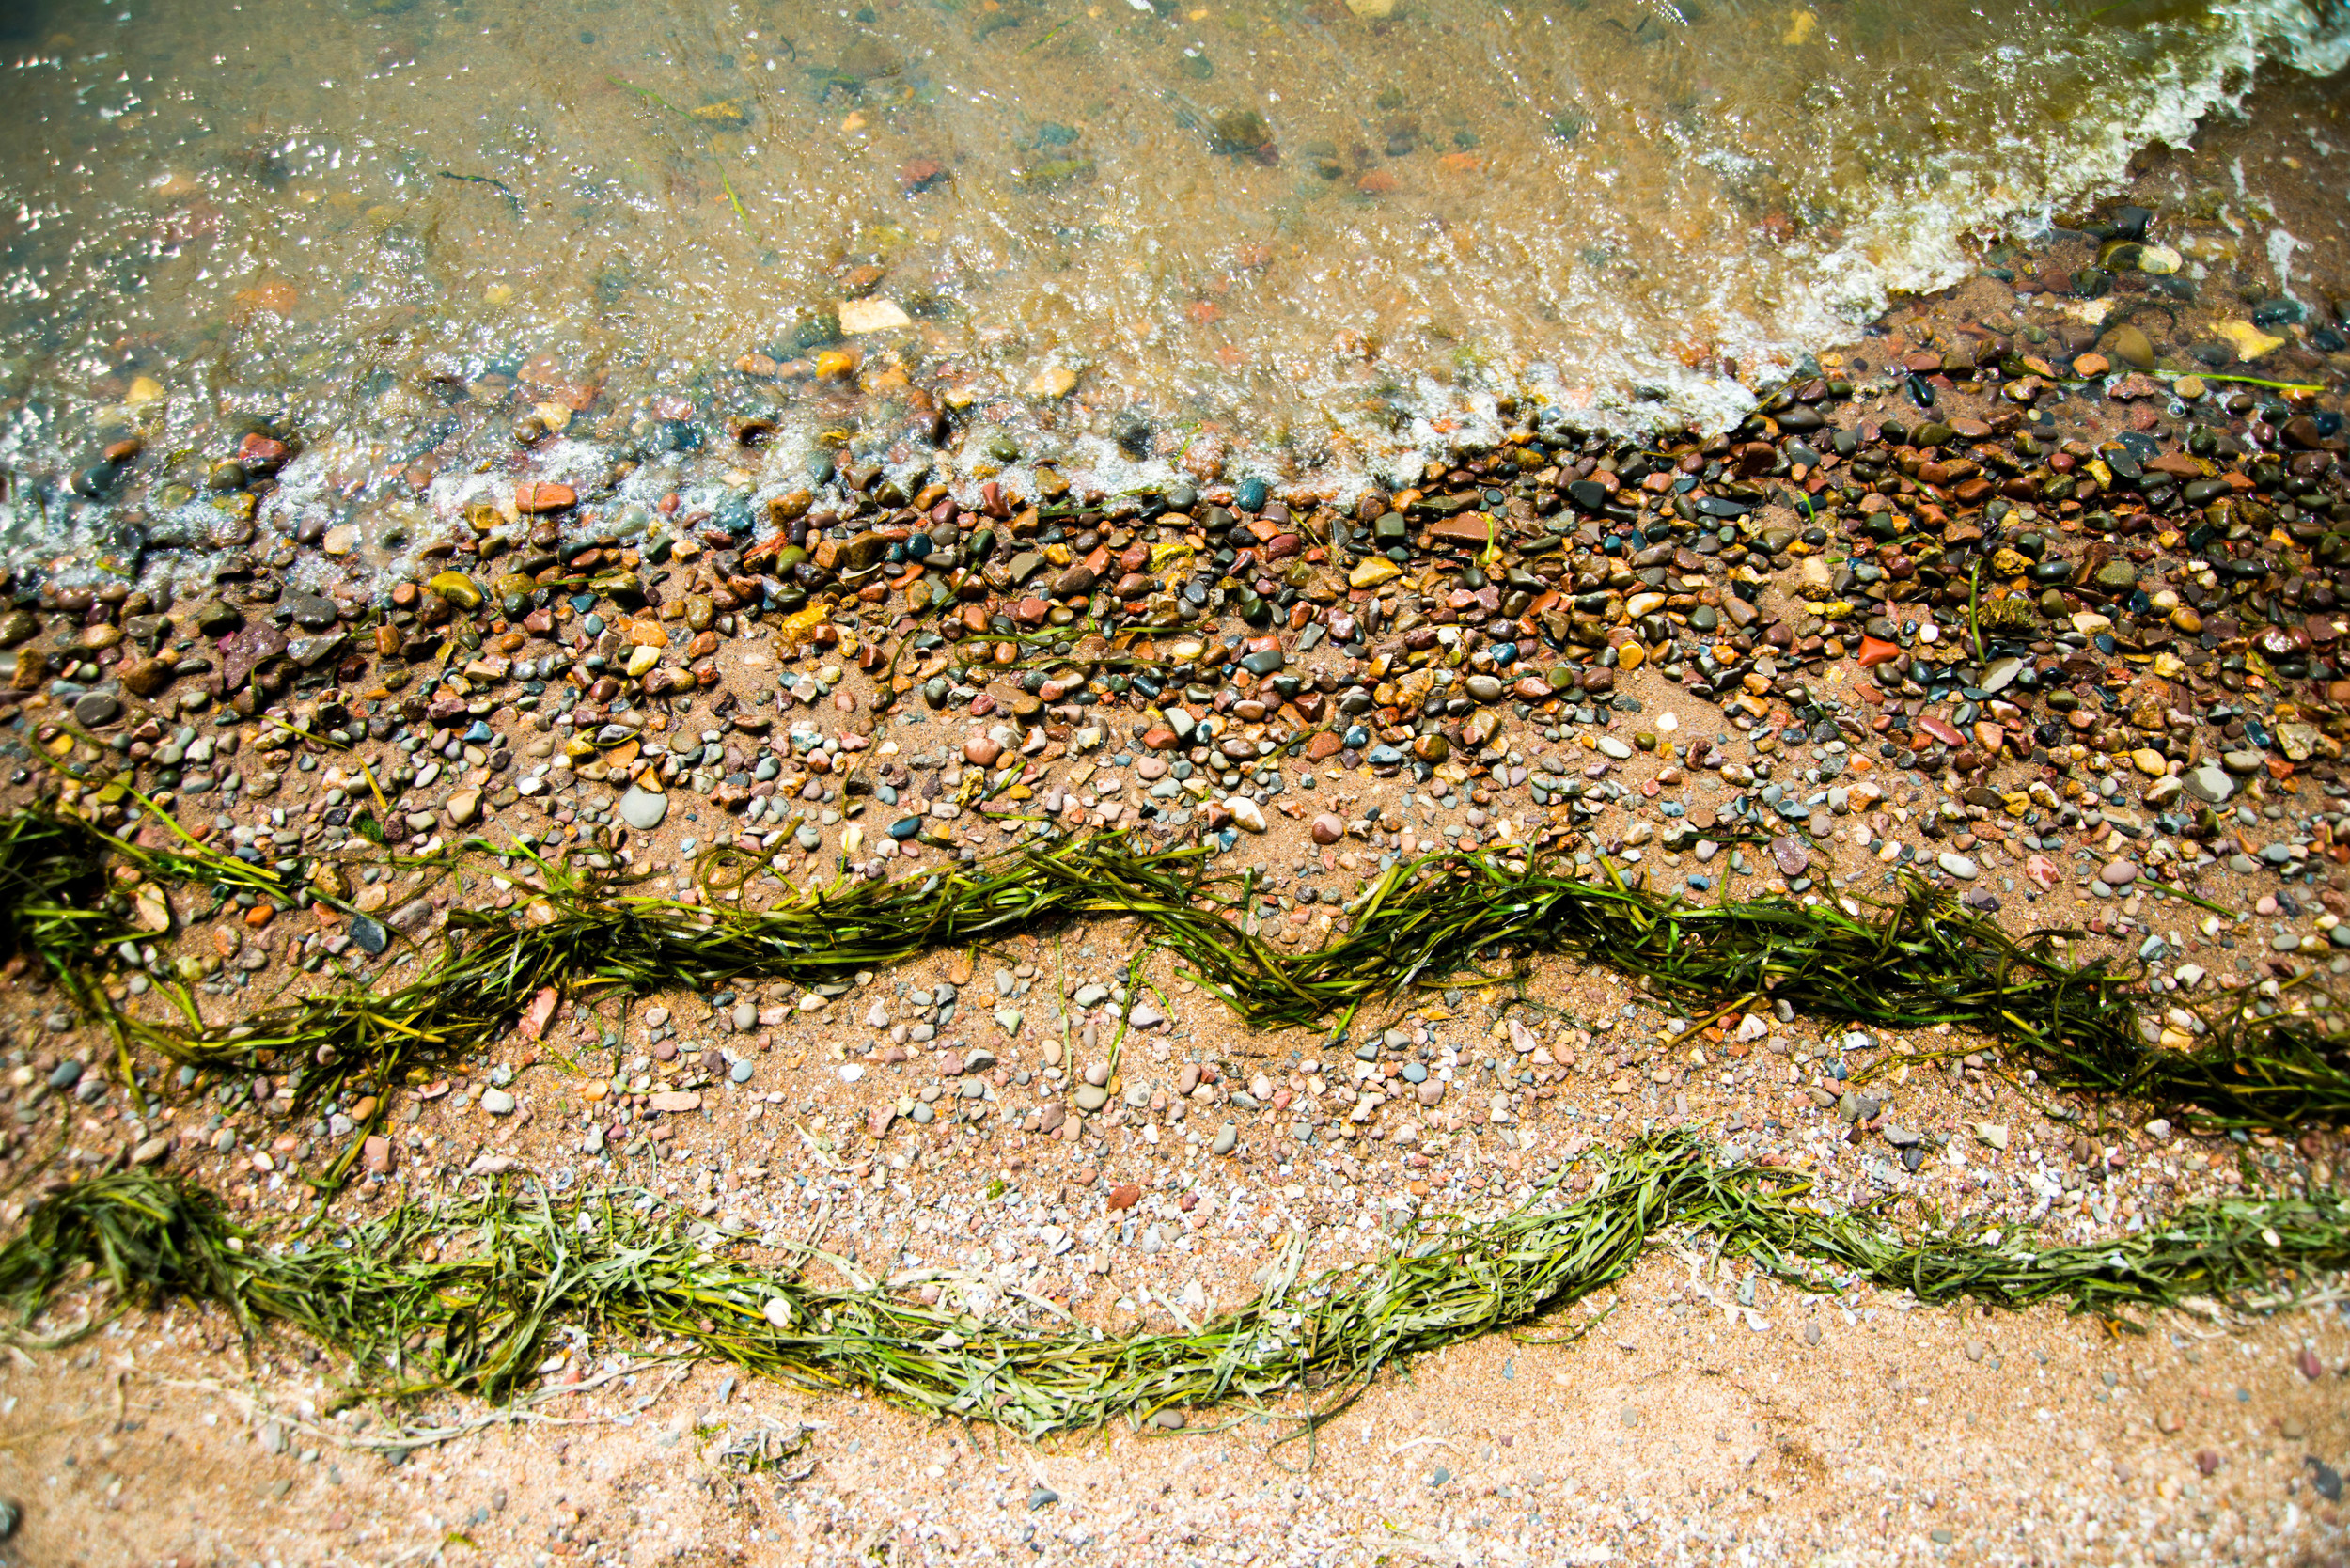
<point x="981" y="751"/>
<point x="542" y="498"/>
<point x="643" y="809"/>
<point x="2118" y="873"/>
<point x="368" y="936"/>
<point x="2131" y="346"/>
<point x="1053" y="382"/>
<point x="1328" y="829"/>
<point x="1791" y="855"/>
<point x="2208" y="784"/>
<point x="1956" y="865"/>
<point x="498" y="1102"/>
<point x="95" y="710"/>
<point x="463" y="807"/>
<point x="1245" y="813"/>
<point x="378" y="1155"/>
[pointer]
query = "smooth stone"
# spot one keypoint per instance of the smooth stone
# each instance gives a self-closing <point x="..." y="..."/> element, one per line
<point x="498" y="1102"/>
<point x="1956" y="865"/>
<point x="642" y="810"/>
<point x="2118" y="873"/>
<point x="1791" y="855"/>
<point x="2208" y="784"/>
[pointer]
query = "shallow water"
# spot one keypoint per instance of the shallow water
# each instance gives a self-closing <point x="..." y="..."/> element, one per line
<point x="1263" y="237"/>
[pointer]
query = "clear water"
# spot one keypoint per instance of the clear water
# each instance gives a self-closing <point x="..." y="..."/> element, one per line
<point x="1308" y="241"/>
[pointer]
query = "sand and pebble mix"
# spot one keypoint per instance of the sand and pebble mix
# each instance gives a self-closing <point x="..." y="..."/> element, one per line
<point x="2022" y="594"/>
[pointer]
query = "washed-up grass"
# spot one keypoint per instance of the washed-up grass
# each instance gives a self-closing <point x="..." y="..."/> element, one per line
<point x="467" y="1294"/>
<point x="1919" y="960"/>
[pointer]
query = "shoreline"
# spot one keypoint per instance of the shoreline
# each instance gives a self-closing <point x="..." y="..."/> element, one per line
<point x="2177" y="712"/>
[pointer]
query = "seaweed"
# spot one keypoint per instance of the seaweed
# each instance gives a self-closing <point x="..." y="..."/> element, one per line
<point x="465" y="1295"/>
<point x="2273" y="1055"/>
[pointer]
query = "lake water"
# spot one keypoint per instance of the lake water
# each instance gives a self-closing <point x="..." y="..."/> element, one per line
<point x="1308" y="242"/>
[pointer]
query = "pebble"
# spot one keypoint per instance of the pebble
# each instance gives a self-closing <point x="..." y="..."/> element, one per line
<point x="1957" y="865"/>
<point x="498" y="1102"/>
<point x="642" y="810"/>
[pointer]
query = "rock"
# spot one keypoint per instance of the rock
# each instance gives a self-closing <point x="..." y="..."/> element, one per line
<point x="2118" y="873"/>
<point x="95" y="710"/>
<point x="152" y="1150"/>
<point x="674" y="1102"/>
<point x="457" y="589"/>
<point x="368" y="936"/>
<point x="377" y="1155"/>
<point x="413" y="916"/>
<point x="1328" y="829"/>
<point x="2131" y="347"/>
<point x="1791" y="855"/>
<point x="1124" y="1196"/>
<point x="1227" y="1140"/>
<point x="146" y="678"/>
<point x="981" y="751"/>
<point x="1956" y="865"/>
<point x="643" y="809"/>
<point x="535" y="500"/>
<point x="2208" y="783"/>
<point x="1245" y="813"/>
<point x="1052" y="384"/>
<point x="498" y="1102"/>
<point x="463" y="807"/>
<point x="872" y="315"/>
